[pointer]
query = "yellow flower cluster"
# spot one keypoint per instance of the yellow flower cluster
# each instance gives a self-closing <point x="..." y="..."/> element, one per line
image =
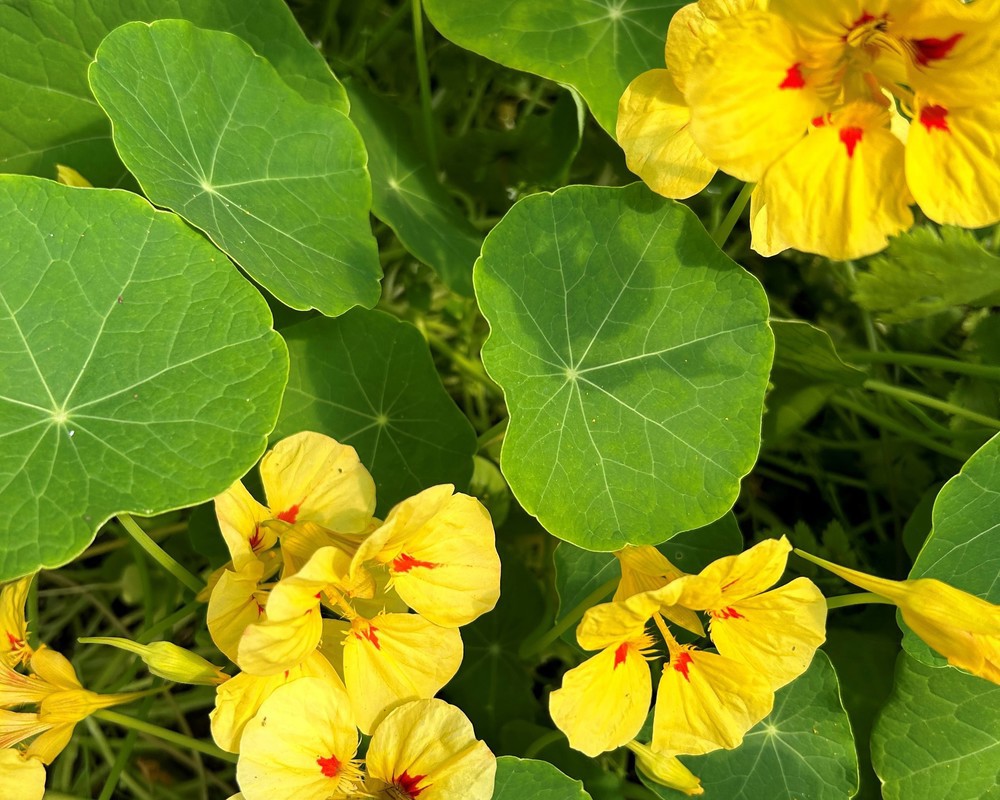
<point x="705" y="701"/>
<point x="846" y="112"/>
<point x="50" y="687"/>
<point x="395" y="593"/>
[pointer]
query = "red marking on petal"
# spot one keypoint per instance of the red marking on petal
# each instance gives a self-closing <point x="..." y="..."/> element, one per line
<point x="863" y="19"/>
<point x="287" y="673"/>
<point x="731" y="583"/>
<point x="371" y="634"/>
<point x="256" y="539"/>
<point x="330" y="766"/>
<point x="850" y="137"/>
<point x="793" y="78"/>
<point x="934" y="49"/>
<point x="817" y="122"/>
<point x="289" y="515"/>
<point x="15" y="643"/>
<point x="681" y="665"/>
<point x="409" y="784"/>
<point x="405" y="562"/>
<point x="621" y="654"/>
<point x="260" y="608"/>
<point x="727" y="613"/>
<point x="935" y="118"/>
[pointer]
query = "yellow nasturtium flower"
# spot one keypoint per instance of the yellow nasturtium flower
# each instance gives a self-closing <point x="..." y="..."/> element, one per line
<point x="301" y="745"/>
<point x="428" y="749"/>
<point x="14" y="647"/>
<point x="646" y="569"/>
<point x="965" y="629"/>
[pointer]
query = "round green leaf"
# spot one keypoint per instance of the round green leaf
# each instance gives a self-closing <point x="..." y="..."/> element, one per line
<point x="368" y="380"/>
<point x="50" y="116"/>
<point x="141" y="372"/>
<point x="595" y="47"/>
<point x="210" y="130"/>
<point x="634" y="357"/>
<point x="963" y="548"/>
<point x="802" y="749"/>
<point x="938" y="735"/>
<point x="527" y="779"/>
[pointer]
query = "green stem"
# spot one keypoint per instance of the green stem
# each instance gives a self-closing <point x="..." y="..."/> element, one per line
<point x="725" y="228"/>
<point x="892" y="425"/>
<point x="179" y="739"/>
<point x="856" y="599"/>
<point x="149" y="634"/>
<point x="932" y="402"/>
<point x="543" y="741"/>
<point x="424" y="78"/>
<point x="493" y="435"/>
<point x="530" y="648"/>
<point x="159" y="555"/>
<point x="922" y="360"/>
<point x="124" y="753"/>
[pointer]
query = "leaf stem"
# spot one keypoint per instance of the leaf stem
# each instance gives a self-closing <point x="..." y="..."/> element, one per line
<point x="856" y="599"/>
<point x="931" y="402"/>
<point x="424" y="78"/>
<point x="892" y="425"/>
<point x="147" y="635"/>
<point x="922" y="360"/>
<point x="721" y="234"/>
<point x="536" y="646"/>
<point x="124" y="753"/>
<point x="159" y="555"/>
<point x="179" y="739"/>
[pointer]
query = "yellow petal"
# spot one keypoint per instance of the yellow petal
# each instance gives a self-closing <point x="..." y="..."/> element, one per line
<point x="240" y="520"/>
<point x="312" y="477"/>
<point x="730" y="579"/>
<point x="603" y="703"/>
<point x="286" y="754"/>
<point x="952" y="166"/>
<point x="13" y="627"/>
<point x="442" y="557"/>
<point x="851" y="169"/>
<point x="16" y="726"/>
<point x="394" y="658"/>
<point x="689" y="30"/>
<point x="665" y="770"/>
<point x="610" y="624"/>
<point x="646" y="569"/>
<point x="775" y="633"/>
<point x="965" y="629"/>
<point x="300" y="541"/>
<point x="428" y="748"/>
<point x="235" y="603"/>
<point x="750" y="94"/>
<point x="705" y="702"/>
<point x="763" y="239"/>
<point x="55" y="668"/>
<point x="22" y="778"/>
<point x="48" y="745"/>
<point x="654" y="131"/>
<point x="297" y="594"/>
<point x="239" y="698"/>
<point x="271" y="647"/>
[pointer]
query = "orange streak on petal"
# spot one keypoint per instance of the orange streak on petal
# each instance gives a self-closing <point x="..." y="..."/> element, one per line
<point x="681" y="665"/>
<point x="289" y="515"/>
<point x="409" y="784"/>
<point x="621" y="654"/>
<point x="935" y="118"/>
<point x="850" y="137"/>
<point x="330" y="766"/>
<point x="793" y="78"/>
<point x="404" y="562"/>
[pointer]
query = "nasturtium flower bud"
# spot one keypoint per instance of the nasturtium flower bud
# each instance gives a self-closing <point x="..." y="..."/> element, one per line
<point x="664" y="770"/>
<point x="965" y="629"/>
<point x="167" y="660"/>
<point x="428" y="749"/>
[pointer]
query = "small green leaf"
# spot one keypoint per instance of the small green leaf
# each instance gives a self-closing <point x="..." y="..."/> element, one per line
<point x="937" y="736"/>
<point x="803" y="749"/>
<point x="808" y="351"/>
<point x="924" y="272"/>
<point x="408" y="197"/>
<point x="595" y="47"/>
<point x="526" y="779"/>
<point x="963" y="548"/>
<point x="633" y="356"/>
<point x="50" y="116"/>
<point x="368" y="380"/>
<point x="141" y="372"/>
<point x="211" y="131"/>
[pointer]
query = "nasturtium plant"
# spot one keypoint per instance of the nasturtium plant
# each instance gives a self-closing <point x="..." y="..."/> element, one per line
<point x="529" y="400"/>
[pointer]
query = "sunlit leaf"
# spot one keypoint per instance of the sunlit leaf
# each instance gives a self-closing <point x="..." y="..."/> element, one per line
<point x="937" y="736"/>
<point x="50" y="116"/>
<point x="368" y="380"/>
<point x="633" y="356"/>
<point x="210" y="130"/>
<point x="595" y="46"/>
<point x="140" y="370"/>
<point x="523" y="778"/>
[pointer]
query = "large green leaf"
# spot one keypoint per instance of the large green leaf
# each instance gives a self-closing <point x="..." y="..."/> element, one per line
<point x="140" y="370"/>
<point x="938" y="736"/>
<point x="526" y="779"/>
<point x="368" y="380"/>
<point x="963" y="548"/>
<point x="408" y="197"/>
<point x="803" y="749"/>
<point x="634" y="357"/>
<point x="211" y="131"/>
<point x="49" y="113"/>
<point x="595" y="47"/>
